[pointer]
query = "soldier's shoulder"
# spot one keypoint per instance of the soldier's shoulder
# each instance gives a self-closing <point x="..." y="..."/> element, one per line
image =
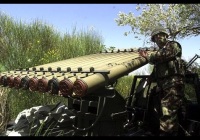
<point x="174" y="43"/>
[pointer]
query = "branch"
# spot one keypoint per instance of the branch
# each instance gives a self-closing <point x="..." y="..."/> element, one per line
<point x="193" y="30"/>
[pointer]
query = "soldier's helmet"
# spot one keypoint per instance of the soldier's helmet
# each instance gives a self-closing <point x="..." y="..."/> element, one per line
<point x="156" y="31"/>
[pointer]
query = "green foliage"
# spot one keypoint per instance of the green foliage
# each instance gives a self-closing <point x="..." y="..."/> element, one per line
<point x="190" y="93"/>
<point x="2" y="68"/>
<point x="80" y="43"/>
<point x="25" y="99"/>
<point x="124" y="84"/>
<point x="195" y="68"/>
<point x="27" y="45"/>
<point x="181" y="20"/>
<point x="4" y="114"/>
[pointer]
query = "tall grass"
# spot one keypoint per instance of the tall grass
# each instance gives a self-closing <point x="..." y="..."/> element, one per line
<point x="124" y="84"/>
<point x="27" y="45"/>
<point x="4" y="114"/>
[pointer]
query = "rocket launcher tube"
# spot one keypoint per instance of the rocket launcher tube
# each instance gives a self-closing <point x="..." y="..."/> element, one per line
<point x="43" y="82"/>
<point x="66" y="85"/>
<point x="40" y="83"/>
<point x="3" y="80"/>
<point x="24" y="72"/>
<point x="25" y="81"/>
<point x="83" y="63"/>
<point x="4" y="76"/>
<point x="79" y="60"/>
<point x="7" y="72"/>
<point x="17" y="80"/>
<point x="33" y="82"/>
<point x="87" y="85"/>
<point x="10" y="79"/>
<point x="53" y="84"/>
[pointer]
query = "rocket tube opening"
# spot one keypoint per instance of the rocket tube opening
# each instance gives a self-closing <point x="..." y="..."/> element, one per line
<point x="4" y="80"/>
<point x="33" y="84"/>
<point x="43" y="85"/>
<point x="80" y="88"/>
<point x="53" y="86"/>
<point x="25" y="82"/>
<point x="10" y="81"/>
<point x="17" y="82"/>
<point x="66" y="87"/>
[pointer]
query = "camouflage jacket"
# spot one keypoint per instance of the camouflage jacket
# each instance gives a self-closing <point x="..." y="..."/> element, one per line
<point x="168" y="67"/>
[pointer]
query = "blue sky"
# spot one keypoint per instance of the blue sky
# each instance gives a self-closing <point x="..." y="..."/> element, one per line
<point x="100" y="17"/>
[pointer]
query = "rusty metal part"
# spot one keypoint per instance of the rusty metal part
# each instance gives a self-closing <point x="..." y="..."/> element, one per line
<point x="80" y="88"/>
<point x="43" y="85"/>
<point x="17" y="82"/>
<point x="66" y="87"/>
<point x="33" y="84"/>
<point x="10" y="81"/>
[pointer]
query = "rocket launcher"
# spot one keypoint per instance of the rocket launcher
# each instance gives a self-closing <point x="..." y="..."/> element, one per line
<point x="78" y="76"/>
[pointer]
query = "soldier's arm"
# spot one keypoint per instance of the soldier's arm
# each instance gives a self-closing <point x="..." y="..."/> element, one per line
<point x="166" y="54"/>
<point x="173" y="49"/>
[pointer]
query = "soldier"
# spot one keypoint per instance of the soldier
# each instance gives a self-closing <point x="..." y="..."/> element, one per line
<point x="169" y="75"/>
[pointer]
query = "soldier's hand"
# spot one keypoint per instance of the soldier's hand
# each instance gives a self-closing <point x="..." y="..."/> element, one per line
<point x="143" y="53"/>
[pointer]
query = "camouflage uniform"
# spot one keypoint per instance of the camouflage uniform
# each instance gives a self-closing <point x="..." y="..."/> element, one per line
<point x="169" y="75"/>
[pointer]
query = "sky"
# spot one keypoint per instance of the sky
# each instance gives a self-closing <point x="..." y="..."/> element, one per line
<point x="99" y="17"/>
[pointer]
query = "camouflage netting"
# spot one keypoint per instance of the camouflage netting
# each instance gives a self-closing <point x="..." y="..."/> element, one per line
<point x="49" y="120"/>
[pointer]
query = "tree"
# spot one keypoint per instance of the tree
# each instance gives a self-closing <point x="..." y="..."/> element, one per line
<point x="181" y="20"/>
